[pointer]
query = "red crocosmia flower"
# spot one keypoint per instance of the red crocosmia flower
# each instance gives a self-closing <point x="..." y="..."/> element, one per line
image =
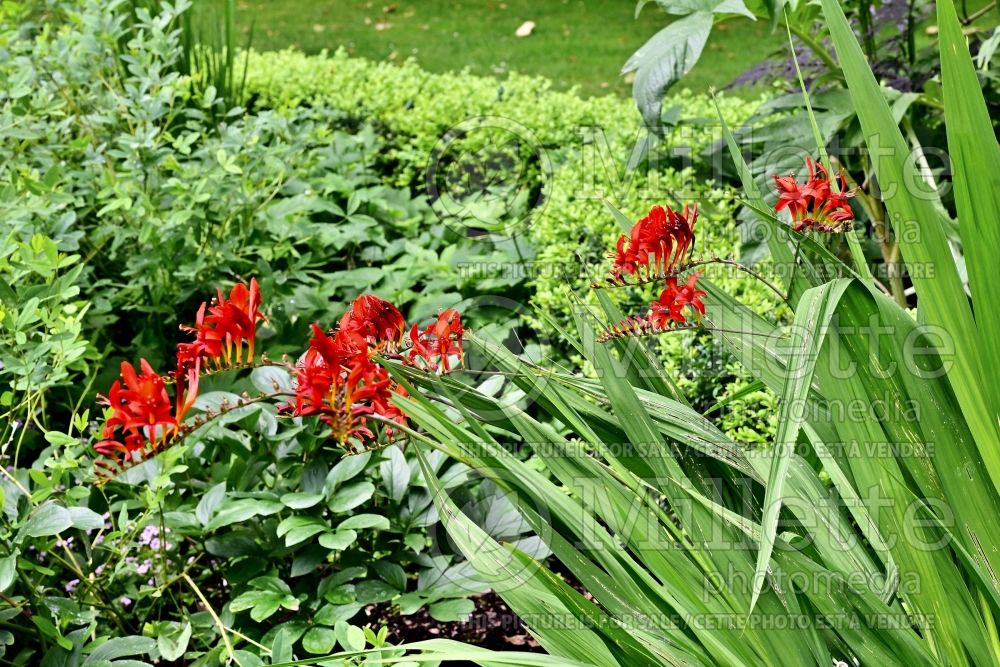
<point x="657" y="244"/>
<point x="377" y="321"/>
<point x="141" y="413"/>
<point x="235" y="320"/>
<point x="207" y="343"/>
<point x="669" y="308"/>
<point x="433" y="347"/>
<point x="221" y="329"/>
<point x="814" y="205"/>
<point x="186" y="388"/>
<point x="337" y="380"/>
<point x="131" y="447"/>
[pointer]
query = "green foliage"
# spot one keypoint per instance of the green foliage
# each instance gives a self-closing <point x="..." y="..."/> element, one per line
<point x="42" y="347"/>
<point x="163" y="203"/>
<point x="866" y="536"/>
<point x="125" y="190"/>
<point x="597" y="149"/>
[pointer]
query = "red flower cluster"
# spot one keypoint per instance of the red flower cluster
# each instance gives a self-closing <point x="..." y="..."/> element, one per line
<point x="669" y="308"/>
<point x="432" y="348"/>
<point x="142" y="415"/>
<point x="658" y="247"/>
<point x="143" y="419"/>
<point x="338" y="380"/>
<point x="377" y="322"/>
<point x="657" y="243"/>
<point x="814" y="205"/>
<point x="220" y="335"/>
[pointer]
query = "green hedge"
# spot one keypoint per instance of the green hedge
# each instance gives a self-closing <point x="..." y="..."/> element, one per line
<point x="588" y="143"/>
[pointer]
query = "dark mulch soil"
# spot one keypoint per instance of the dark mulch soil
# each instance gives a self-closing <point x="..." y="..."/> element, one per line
<point x="492" y="625"/>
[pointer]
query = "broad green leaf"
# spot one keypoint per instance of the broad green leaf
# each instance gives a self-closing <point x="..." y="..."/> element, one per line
<point x="339" y="540"/>
<point x="120" y="647"/>
<point x="209" y="503"/>
<point x="452" y="611"/>
<point x="350" y="496"/>
<point x="47" y="519"/>
<point x="173" y="645"/>
<point x="350" y="637"/>
<point x="348" y="468"/>
<point x="395" y="472"/>
<point x="365" y="522"/>
<point x="241" y="509"/>
<point x="301" y="501"/>
<point x="298" y="529"/>
<point x="8" y="570"/>
<point x="664" y="60"/>
<point x="84" y="518"/>
<point x="319" y="640"/>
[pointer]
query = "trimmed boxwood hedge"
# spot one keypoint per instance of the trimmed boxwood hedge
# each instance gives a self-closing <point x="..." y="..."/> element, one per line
<point x="588" y="143"/>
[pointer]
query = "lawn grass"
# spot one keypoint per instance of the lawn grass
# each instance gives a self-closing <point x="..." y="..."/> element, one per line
<point x="576" y="42"/>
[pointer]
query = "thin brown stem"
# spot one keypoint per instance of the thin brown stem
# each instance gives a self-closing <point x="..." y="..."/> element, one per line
<point x="650" y="278"/>
<point x="610" y="334"/>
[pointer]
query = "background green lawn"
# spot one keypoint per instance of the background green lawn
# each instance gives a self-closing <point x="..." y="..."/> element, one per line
<point x="576" y="42"/>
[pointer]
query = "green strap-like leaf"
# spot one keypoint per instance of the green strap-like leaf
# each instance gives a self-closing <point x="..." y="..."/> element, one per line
<point x="975" y="163"/>
<point x="921" y="237"/>
<point x="812" y="320"/>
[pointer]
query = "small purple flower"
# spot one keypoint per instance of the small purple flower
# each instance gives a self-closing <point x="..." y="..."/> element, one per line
<point x="71" y="585"/>
<point x="150" y="537"/>
<point x="125" y="601"/>
<point x="144" y="566"/>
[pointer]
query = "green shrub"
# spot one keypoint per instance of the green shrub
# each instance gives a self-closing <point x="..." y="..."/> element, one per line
<point x="124" y="199"/>
<point x="125" y="193"/>
<point x="588" y="142"/>
<point x="124" y="168"/>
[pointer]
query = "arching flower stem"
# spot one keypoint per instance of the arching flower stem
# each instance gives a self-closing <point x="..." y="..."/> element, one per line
<point x="651" y="278"/>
